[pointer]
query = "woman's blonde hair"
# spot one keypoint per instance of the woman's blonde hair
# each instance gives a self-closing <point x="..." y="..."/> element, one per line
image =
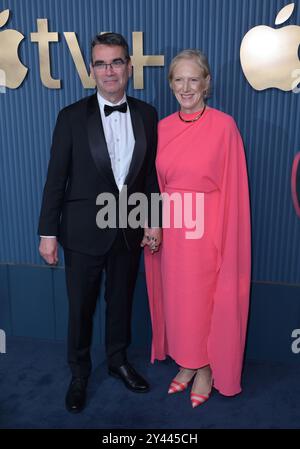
<point x="195" y="55"/>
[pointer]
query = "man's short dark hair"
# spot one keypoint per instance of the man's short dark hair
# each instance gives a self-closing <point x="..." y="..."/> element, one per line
<point x="111" y="39"/>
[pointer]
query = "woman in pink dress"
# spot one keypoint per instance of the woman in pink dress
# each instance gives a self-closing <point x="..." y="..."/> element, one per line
<point x="198" y="282"/>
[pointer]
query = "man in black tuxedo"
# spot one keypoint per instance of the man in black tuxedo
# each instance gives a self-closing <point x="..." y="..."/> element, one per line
<point x="100" y="144"/>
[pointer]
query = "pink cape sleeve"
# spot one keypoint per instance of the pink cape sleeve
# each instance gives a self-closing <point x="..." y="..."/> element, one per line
<point x="231" y="300"/>
<point x="155" y="296"/>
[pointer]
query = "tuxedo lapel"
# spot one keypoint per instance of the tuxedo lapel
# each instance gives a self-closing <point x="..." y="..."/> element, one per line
<point x="140" y="147"/>
<point x="97" y="141"/>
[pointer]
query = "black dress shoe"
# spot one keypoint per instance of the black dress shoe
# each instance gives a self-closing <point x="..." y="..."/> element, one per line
<point x="76" y="395"/>
<point x="130" y="378"/>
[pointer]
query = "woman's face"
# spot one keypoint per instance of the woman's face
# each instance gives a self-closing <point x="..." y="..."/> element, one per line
<point x="189" y="85"/>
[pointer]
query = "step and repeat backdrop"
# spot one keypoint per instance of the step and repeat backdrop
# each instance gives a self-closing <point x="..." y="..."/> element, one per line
<point x="253" y="49"/>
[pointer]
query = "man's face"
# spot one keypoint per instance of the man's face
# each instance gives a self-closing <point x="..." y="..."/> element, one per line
<point x="111" y="80"/>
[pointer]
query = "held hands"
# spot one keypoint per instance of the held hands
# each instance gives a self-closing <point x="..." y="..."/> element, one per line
<point x="152" y="238"/>
<point x="49" y="250"/>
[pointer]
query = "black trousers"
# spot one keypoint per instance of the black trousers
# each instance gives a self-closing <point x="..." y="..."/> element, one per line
<point x="83" y="278"/>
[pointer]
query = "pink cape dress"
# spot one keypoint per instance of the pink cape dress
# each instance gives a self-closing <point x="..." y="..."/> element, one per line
<point x="198" y="288"/>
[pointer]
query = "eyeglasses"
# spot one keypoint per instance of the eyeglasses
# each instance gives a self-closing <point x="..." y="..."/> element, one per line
<point x="114" y="65"/>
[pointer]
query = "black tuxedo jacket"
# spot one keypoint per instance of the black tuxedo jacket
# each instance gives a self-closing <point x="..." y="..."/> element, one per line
<point x="80" y="169"/>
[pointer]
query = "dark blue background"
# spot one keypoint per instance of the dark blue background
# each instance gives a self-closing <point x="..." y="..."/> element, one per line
<point x="33" y="296"/>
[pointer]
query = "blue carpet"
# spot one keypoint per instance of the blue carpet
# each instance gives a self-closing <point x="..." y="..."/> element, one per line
<point x="34" y="378"/>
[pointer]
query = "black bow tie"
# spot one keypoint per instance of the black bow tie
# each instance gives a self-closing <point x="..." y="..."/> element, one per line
<point x="109" y="109"/>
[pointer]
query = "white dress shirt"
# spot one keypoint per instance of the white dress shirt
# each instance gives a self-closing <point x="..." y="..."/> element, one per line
<point x="119" y="137"/>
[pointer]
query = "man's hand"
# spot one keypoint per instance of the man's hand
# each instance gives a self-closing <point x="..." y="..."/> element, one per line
<point x="49" y="250"/>
<point x="152" y="238"/>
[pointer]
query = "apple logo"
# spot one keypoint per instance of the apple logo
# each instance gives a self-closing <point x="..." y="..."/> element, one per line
<point x="269" y="57"/>
<point x="10" y="64"/>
